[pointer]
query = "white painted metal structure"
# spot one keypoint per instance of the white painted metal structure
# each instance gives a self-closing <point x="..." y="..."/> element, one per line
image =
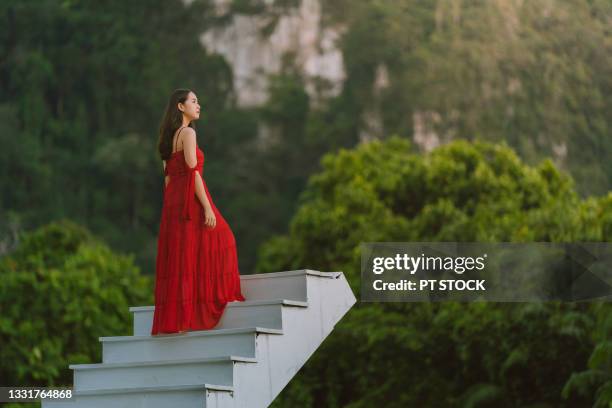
<point x="256" y="348"/>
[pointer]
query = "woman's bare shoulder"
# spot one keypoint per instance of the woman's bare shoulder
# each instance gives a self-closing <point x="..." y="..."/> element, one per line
<point x="189" y="137"/>
<point x="188" y="131"/>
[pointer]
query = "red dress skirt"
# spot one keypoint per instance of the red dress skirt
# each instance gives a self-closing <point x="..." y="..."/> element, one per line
<point x="197" y="266"/>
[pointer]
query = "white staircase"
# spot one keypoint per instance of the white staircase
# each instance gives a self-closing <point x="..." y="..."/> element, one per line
<point x="244" y="362"/>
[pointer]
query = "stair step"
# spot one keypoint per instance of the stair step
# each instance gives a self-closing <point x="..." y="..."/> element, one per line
<point x="262" y="313"/>
<point x="195" y="344"/>
<point x="163" y="388"/>
<point x="217" y="370"/>
<point x="183" y="396"/>
<point x="280" y="285"/>
<point x="246" y="303"/>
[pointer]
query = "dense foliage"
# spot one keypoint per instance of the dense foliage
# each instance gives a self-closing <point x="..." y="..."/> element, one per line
<point x="445" y="354"/>
<point x="60" y="290"/>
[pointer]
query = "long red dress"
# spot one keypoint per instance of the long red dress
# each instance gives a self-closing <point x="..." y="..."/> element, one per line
<point x="197" y="266"/>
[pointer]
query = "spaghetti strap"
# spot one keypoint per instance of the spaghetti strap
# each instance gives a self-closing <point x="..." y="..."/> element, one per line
<point x="177" y="136"/>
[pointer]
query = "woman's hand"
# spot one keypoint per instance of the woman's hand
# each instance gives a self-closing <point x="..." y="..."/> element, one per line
<point x="210" y="219"/>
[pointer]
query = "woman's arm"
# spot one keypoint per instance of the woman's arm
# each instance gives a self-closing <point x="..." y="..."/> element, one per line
<point x="189" y="150"/>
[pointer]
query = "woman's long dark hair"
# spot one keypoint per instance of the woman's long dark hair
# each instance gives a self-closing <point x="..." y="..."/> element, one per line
<point x="171" y="121"/>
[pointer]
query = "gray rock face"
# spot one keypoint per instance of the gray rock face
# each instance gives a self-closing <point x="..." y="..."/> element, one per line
<point x="253" y="54"/>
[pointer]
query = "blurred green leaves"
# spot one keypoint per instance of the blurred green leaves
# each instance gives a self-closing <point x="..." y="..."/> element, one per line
<point x="441" y="354"/>
<point x="60" y="290"/>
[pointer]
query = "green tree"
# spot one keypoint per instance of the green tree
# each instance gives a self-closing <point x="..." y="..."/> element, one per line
<point x="60" y="290"/>
<point x="443" y="354"/>
<point x="596" y="379"/>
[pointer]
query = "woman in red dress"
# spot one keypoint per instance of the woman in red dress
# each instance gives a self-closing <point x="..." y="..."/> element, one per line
<point x="197" y="266"/>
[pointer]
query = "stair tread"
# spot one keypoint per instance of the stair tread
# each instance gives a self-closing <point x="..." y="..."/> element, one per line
<point x="330" y="275"/>
<point x="157" y="388"/>
<point x="246" y="303"/>
<point x="163" y="362"/>
<point x="195" y="333"/>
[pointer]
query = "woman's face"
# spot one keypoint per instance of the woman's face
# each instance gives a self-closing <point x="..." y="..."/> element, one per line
<point x="191" y="107"/>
